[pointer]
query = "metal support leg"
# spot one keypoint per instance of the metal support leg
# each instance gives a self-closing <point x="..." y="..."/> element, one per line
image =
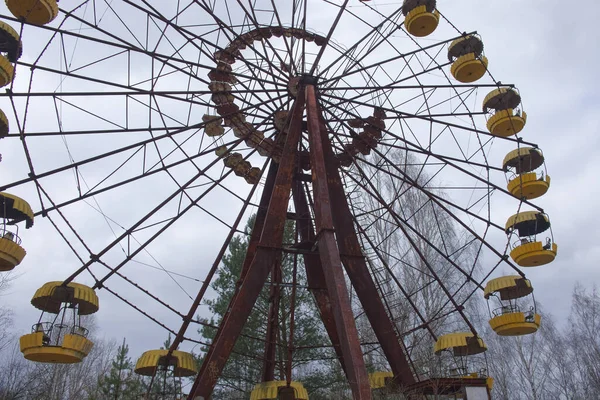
<point x="314" y="270"/>
<point x="330" y="258"/>
<point x="358" y="271"/>
<point x="267" y="253"/>
<point x="268" y="371"/>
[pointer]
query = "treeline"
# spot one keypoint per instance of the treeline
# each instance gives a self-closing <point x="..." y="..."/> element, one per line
<point x="560" y="361"/>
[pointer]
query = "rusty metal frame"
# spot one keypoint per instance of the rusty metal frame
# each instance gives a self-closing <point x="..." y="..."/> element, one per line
<point x="268" y="252"/>
<point x="330" y="254"/>
<point x="357" y="269"/>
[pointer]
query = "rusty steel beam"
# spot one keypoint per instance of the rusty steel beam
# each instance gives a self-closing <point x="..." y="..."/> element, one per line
<point x="250" y="252"/>
<point x="264" y="202"/>
<point x="259" y="220"/>
<point x="357" y="269"/>
<point x="268" y="370"/>
<point x="330" y="257"/>
<point x="267" y="253"/>
<point x="314" y="270"/>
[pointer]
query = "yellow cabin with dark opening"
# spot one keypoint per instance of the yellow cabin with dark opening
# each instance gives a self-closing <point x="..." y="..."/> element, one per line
<point x="528" y="251"/>
<point x="505" y="123"/>
<point x="468" y="62"/>
<point x="10" y="42"/>
<point x="7" y="71"/>
<point x="13" y="210"/>
<point x="64" y="342"/>
<point x="524" y="182"/>
<point x="11" y="253"/>
<point x="52" y="295"/>
<point x="420" y="22"/>
<point x="461" y="344"/>
<point x="505" y="118"/>
<point x="183" y="363"/>
<point x="271" y="390"/>
<point x="509" y="319"/>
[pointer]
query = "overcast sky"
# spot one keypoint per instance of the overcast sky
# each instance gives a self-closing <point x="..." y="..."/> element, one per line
<point x="548" y="52"/>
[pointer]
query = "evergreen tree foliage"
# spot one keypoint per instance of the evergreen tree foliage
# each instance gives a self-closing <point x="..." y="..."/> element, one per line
<point x="121" y="382"/>
<point x="243" y="370"/>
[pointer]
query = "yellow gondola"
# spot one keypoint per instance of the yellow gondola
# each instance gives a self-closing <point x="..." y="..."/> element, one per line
<point x="380" y="379"/>
<point x="13" y="210"/>
<point x="503" y="112"/>
<point x="63" y="342"/>
<point x="182" y="363"/>
<point x="525" y="169"/>
<point x="167" y="370"/>
<point x="461" y="346"/>
<point x="37" y="12"/>
<point x="421" y="17"/>
<point x="10" y="42"/>
<point x="4" y="128"/>
<point x="528" y="251"/>
<point x="468" y="62"/>
<point x="511" y="318"/>
<point x="273" y="390"/>
<point x="7" y="71"/>
<point x="11" y="49"/>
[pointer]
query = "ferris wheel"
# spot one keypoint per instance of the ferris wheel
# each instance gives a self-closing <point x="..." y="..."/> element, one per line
<point x="145" y="134"/>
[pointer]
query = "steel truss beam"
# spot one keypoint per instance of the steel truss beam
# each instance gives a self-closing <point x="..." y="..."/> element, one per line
<point x="356" y="266"/>
<point x="259" y="264"/>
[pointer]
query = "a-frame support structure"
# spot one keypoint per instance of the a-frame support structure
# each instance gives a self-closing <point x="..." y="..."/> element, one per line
<point x="337" y="244"/>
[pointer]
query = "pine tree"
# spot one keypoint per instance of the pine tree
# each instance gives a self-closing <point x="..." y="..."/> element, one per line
<point x="243" y="369"/>
<point x="121" y="382"/>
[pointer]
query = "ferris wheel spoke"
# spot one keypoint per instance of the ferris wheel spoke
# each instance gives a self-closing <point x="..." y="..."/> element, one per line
<point x="371" y="190"/>
<point x="373" y="32"/>
<point x="332" y="81"/>
<point x="191" y="38"/>
<point x="139" y="310"/>
<point x="438" y="200"/>
<point x="96" y="189"/>
<point x="179" y="337"/>
<point x="139" y="224"/>
<point x="429" y="153"/>
<point x="231" y="35"/>
<point x="402" y="114"/>
<point x="136" y="147"/>
<point x="133" y="147"/>
<point x="434" y="197"/>
<point x="397" y="219"/>
<point x="328" y="38"/>
<point x="372" y="43"/>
